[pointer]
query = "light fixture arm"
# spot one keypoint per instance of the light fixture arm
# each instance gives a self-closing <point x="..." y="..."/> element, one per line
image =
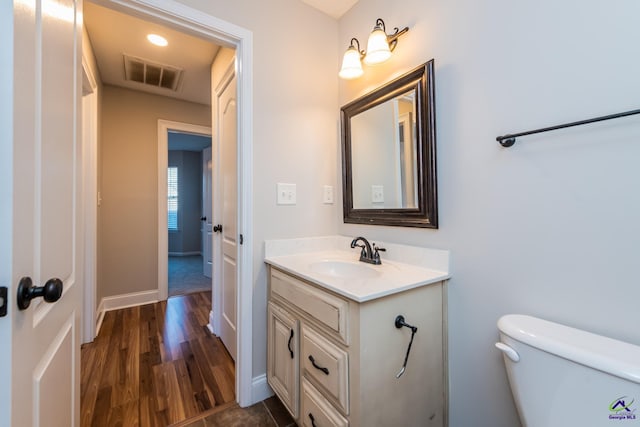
<point x="357" y="43"/>
<point x="392" y="39"/>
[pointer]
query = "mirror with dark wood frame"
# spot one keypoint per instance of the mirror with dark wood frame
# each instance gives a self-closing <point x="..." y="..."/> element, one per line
<point x="389" y="154"/>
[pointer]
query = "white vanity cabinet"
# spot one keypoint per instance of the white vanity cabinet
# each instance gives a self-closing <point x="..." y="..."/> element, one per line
<point x="333" y="361"/>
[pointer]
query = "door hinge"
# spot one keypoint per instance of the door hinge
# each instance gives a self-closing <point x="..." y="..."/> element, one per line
<point x="241" y="239"/>
<point x="3" y="301"/>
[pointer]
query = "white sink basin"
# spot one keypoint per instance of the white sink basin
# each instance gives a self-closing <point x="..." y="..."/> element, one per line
<point x="344" y="269"/>
<point x="328" y="262"/>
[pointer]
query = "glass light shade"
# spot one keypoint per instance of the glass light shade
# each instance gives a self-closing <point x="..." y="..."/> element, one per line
<point x="377" y="47"/>
<point x="351" y="65"/>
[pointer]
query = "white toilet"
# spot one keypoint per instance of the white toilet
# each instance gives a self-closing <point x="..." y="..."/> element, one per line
<point x="565" y="377"/>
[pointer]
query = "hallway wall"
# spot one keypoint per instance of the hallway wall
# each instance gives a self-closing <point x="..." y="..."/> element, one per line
<point x="128" y="215"/>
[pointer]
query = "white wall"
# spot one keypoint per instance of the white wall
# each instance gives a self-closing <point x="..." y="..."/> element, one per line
<point x="549" y="227"/>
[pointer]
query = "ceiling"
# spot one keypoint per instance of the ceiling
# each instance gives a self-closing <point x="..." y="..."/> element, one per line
<point x="187" y="141"/>
<point x="114" y="35"/>
<point x="334" y="8"/>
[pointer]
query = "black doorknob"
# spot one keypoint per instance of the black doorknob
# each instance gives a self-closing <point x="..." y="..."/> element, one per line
<point x="203" y="218"/>
<point x="217" y="228"/>
<point x="51" y="291"/>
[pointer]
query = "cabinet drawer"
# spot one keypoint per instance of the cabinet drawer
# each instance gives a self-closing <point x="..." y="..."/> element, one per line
<point x="328" y="309"/>
<point x="327" y="364"/>
<point x="317" y="411"/>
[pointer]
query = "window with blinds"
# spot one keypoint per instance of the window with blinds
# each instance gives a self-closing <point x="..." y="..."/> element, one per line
<point x="172" y="191"/>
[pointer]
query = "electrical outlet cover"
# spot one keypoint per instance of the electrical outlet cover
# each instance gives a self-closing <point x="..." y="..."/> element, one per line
<point x="377" y="194"/>
<point x="327" y="194"/>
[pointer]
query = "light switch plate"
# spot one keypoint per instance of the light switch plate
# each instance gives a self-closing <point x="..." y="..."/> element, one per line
<point x="377" y="194"/>
<point x="327" y="194"/>
<point x="286" y="194"/>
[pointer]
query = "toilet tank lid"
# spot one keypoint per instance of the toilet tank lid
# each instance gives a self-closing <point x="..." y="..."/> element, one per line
<point x="605" y="354"/>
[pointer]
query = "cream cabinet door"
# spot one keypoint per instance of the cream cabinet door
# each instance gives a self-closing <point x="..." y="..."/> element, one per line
<point x="282" y="356"/>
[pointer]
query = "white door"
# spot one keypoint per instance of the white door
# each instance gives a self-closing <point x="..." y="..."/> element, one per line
<point x="206" y="227"/>
<point x="226" y="107"/>
<point x="41" y="231"/>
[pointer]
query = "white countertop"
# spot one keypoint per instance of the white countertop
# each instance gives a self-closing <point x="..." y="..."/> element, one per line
<point x="307" y="258"/>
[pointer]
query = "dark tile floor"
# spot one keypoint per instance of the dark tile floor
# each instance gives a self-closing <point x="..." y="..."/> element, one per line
<point x="268" y="413"/>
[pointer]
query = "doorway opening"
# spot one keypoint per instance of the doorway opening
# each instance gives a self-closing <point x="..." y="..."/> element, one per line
<point x="185" y="173"/>
<point x="191" y="21"/>
<point x="189" y="213"/>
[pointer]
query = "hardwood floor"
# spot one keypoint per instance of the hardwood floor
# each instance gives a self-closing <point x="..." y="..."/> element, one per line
<point x="155" y="365"/>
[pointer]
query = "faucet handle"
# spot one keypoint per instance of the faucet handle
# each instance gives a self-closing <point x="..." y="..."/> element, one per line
<point x="376" y="255"/>
<point x="378" y="248"/>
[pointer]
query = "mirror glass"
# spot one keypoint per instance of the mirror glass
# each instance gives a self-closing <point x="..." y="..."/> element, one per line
<point x="383" y="155"/>
<point x="388" y="146"/>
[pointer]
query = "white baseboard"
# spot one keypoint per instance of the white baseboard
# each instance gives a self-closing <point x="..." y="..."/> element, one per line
<point x="99" y="316"/>
<point x="185" y="253"/>
<point x="260" y="389"/>
<point x="123" y="301"/>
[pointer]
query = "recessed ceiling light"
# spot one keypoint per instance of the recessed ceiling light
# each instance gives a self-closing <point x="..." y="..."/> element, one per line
<point x="157" y="40"/>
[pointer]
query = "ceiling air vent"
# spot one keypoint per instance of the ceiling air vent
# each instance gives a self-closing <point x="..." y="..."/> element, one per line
<point x="151" y="73"/>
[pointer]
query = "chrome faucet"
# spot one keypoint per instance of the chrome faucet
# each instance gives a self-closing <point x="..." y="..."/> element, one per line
<point x="367" y="254"/>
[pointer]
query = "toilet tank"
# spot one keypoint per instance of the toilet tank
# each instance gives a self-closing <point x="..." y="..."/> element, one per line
<point x="565" y="377"/>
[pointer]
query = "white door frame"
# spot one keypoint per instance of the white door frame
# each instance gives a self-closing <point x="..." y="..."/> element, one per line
<point x="184" y="18"/>
<point x="90" y="191"/>
<point x="164" y="126"/>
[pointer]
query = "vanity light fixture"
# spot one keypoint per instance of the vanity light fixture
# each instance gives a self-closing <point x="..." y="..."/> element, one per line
<point x="157" y="40"/>
<point x="379" y="48"/>
<point x="352" y="61"/>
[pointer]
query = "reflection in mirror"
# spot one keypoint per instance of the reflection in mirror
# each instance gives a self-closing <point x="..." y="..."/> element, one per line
<point x="388" y="140"/>
<point x="383" y="153"/>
